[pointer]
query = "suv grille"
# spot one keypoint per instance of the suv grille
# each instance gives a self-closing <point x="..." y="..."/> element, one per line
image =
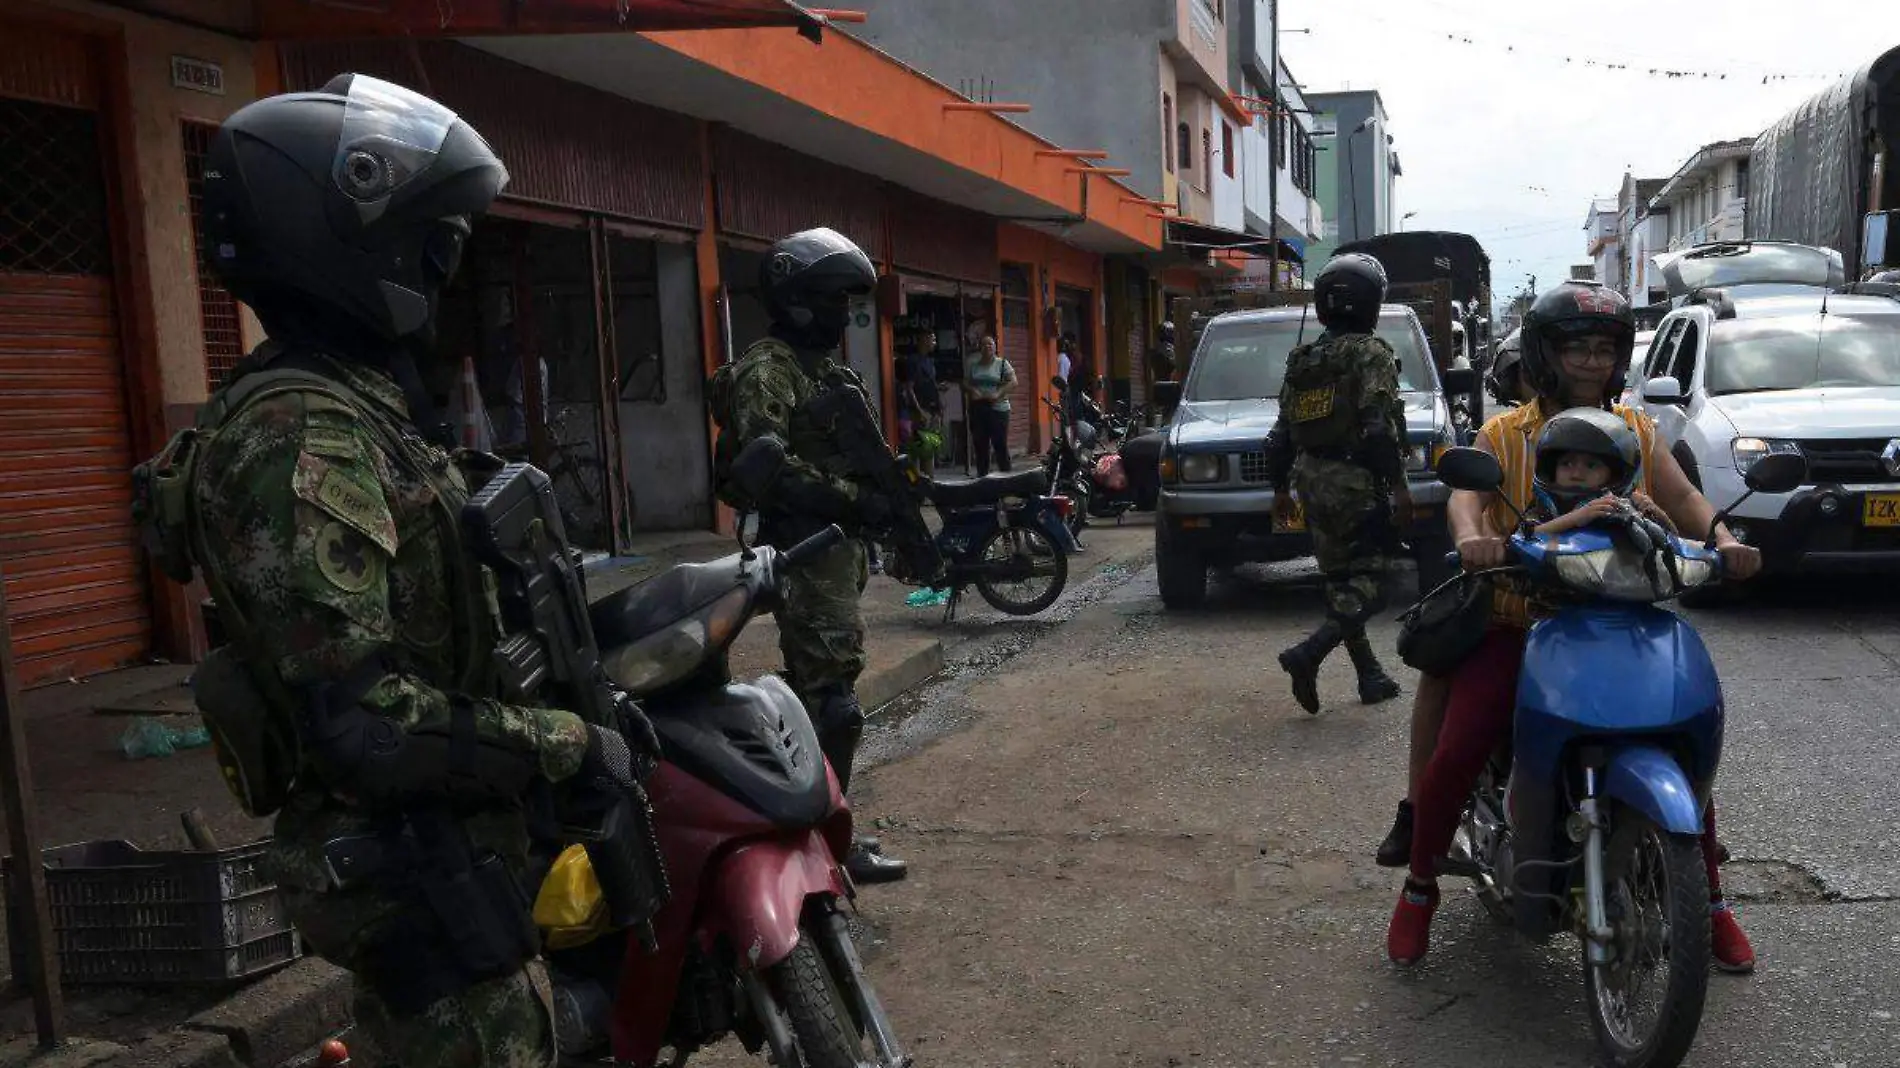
<point x="1846" y="460"/>
<point x="1253" y="467"/>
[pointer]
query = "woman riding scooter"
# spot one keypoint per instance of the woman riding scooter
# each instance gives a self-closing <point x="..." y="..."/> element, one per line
<point x="1576" y="344"/>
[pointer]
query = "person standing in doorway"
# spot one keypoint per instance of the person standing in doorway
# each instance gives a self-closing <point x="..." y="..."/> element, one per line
<point x="990" y="378"/>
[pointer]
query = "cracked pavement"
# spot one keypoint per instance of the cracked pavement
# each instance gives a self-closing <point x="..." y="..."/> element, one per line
<point x="1130" y="848"/>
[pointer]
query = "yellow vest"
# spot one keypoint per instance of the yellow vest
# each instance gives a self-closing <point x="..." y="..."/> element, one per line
<point x="1512" y="435"/>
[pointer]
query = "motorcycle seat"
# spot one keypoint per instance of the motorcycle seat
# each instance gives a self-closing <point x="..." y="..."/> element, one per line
<point x="988" y="489"/>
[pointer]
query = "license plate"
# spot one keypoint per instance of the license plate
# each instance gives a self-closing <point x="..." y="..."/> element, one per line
<point x="1295" y="523"/>
<point x="1881" y="510"/>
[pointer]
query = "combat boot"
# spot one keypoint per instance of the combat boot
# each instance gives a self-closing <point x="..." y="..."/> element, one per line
<point x="1374" y="684"/>
<point x="1303" y="660"/>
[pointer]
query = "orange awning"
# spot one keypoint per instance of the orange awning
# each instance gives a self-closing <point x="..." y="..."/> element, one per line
<point x="293" y="20"/>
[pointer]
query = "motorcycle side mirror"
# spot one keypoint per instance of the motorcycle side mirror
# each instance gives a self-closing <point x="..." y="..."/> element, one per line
<point x="1460" y="380"/>
<point x="755" y="470"/>
<point x="1780" y="472"/>
<point x="1470" y="469"/>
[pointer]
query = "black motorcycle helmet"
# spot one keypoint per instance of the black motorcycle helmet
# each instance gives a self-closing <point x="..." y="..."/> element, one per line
<point x="1574" y="309"/>
<point x="1507" y="370"/>
<point x="808" y="280"/>
<point x="1594" y="432"/>
<point x="339" y="216"/>
<point x="1348" y="292"/>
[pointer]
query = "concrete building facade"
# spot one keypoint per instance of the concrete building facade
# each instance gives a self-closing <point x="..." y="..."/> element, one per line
<point x="1707" y="198"/>
<point x="1351" y="127"/>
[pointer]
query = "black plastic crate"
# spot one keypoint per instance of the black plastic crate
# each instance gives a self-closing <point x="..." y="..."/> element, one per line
<point x="122" y="915"/>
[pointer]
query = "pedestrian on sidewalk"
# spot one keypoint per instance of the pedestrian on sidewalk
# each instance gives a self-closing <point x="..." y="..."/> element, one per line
<point x="808" y="281"/>
<point x="319" y="499"/>
<point x="989" y="379"/>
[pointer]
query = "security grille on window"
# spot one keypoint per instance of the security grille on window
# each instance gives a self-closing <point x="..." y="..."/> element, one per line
<point x="217" y="309"/>
<point x="53" y="211"/>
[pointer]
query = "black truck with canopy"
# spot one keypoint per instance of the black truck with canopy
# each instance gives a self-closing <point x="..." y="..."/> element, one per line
<point x="1828" y="172"/>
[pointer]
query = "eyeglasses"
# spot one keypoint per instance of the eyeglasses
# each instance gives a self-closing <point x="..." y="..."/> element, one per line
<point x="1586" y="357"/>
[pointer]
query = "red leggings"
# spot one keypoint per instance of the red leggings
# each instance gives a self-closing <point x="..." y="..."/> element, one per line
<point x="1478" y="716"/>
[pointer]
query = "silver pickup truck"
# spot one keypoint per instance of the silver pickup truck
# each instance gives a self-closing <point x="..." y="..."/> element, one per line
<point x="1216" y="508"/>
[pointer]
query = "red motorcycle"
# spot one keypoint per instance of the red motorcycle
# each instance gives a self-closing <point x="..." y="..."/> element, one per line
<point x="752" y="941"/>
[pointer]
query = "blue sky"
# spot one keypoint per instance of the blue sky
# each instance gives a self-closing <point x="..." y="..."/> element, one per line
<point x="1503" y="139"/>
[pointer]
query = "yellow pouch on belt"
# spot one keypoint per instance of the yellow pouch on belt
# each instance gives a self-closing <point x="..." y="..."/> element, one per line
<point x="570" y="909"/>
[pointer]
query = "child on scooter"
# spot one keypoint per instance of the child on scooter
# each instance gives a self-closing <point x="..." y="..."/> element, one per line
<point x="1576" y="473"/>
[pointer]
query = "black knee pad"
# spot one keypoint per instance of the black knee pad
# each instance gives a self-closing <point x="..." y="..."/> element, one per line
<point x="835" y="709"/>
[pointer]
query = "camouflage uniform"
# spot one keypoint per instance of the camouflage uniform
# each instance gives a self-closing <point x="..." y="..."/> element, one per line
<point x="334" y="548"/>
<point x="1338" y="390"/>
<point x="1346" y="502"/>
<point x="820" y="627"/>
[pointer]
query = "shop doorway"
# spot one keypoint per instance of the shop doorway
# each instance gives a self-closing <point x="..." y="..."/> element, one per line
<point x="76" y="587"/>
<point x="552" y="317"/>
<point x="927" y="354"/>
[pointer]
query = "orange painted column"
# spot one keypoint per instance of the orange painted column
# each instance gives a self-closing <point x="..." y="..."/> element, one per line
<point x="706" y="258"/>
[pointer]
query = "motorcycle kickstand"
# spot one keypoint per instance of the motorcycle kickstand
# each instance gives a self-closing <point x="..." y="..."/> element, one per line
<point x="950" y="606"/>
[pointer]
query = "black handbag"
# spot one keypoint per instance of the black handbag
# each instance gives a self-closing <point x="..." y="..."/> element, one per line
<point x="1446" y="625"/>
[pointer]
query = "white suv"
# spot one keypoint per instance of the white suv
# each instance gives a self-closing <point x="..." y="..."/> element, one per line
<point x="1729" y="382"/>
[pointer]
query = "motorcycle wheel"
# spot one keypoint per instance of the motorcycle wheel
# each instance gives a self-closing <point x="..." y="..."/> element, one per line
<point x="1048" y="571"/>
<point x="1657" y="902"/>
<point x="821" y="1021"/>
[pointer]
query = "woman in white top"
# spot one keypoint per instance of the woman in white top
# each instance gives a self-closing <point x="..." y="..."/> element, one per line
<point x="989" y="379"/>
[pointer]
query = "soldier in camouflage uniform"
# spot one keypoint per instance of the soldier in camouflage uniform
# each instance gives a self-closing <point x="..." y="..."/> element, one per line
<point x="807" y="283"/>
<point x="1340" y="434"/>
<point x="318" y="498"/>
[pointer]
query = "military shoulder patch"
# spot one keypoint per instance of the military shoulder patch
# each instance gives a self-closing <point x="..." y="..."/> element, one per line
<point x="349" y="494"/>
<point x="348" y="560"/>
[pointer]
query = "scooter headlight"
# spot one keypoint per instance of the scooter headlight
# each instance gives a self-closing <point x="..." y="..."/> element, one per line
<point x="1624" y="575"/>
<point x="672" y="653"/>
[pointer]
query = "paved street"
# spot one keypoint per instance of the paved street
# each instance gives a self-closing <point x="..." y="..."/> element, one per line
<point x="1131" y="848"/>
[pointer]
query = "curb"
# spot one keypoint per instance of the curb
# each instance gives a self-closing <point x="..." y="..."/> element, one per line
<point x="880" y="687"/>
<point x="268" y="1023"/>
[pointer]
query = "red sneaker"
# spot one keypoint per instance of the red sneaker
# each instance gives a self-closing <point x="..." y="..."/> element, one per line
<point x="1411" y="932"/>
<point x="1727" y="944"/>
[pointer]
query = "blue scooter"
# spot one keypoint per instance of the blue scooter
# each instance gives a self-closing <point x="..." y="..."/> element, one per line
<point x="1591" y="819"/>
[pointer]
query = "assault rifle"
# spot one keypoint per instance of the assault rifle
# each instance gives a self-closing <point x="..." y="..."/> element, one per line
<point x="844" y="408"/>
<point x="549" y="656"/>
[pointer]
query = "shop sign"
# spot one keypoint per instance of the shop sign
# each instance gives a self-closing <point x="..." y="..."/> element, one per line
<point x="197" y="75"/>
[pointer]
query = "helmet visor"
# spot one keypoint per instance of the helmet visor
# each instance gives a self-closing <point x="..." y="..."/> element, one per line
<point x="390" y="134"/>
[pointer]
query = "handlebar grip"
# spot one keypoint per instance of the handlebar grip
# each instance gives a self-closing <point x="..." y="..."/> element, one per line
<point x="816" y="545"/>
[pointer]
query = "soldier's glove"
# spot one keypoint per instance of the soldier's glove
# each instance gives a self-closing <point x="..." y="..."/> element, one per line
<point x="638" y="733"/>
<point x="608" y="766"/>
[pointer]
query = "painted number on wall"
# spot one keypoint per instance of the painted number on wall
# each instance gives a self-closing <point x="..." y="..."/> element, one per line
<point x="197" y="74"/>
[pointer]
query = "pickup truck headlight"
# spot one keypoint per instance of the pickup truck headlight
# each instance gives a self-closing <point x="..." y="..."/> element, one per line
<point x="1748" y="450"/>
<point x="1201" y="467"/>
<point x="1422" y="458"/>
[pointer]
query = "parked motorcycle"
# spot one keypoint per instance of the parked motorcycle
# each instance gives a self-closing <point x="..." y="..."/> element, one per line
<point x="1085" y="467"/>
<point x="752" y="941"/>
<point x="1591" y="820"/>
<point x="1003" y="535"/>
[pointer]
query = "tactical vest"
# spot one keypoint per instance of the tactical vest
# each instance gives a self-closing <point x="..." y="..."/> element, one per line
<point x="1320" y="399"/>
<point x="248" y="709"/>
<point x="805" y="438"/>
